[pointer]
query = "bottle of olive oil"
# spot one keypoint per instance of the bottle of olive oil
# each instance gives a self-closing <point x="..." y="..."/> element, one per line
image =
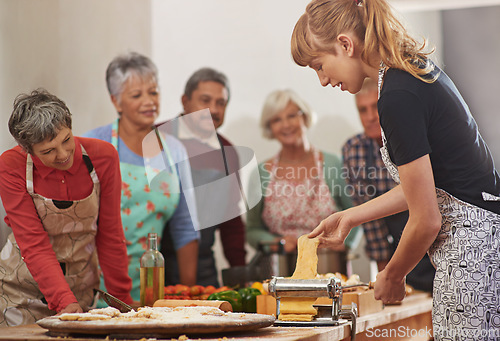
<point x="152" y="273"/>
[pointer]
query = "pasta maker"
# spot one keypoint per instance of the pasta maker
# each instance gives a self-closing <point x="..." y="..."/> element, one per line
<point x="327" y="315"/>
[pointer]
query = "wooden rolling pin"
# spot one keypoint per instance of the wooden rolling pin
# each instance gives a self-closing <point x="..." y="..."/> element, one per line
<point x="222" y="305"/>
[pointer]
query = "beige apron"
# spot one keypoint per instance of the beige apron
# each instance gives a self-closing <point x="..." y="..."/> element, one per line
<point x="71" y="226"/>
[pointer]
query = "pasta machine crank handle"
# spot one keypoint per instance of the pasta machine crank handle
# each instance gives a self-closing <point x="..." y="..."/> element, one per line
<point x="369" y="285"/>
<point x="350" y="312"/>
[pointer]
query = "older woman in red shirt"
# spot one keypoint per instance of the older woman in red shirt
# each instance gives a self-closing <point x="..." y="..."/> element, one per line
<point x="52" y="185"/>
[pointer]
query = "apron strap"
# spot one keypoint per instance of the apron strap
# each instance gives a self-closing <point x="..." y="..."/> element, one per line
<point x="114" y="133"/>
<point x="167" y="157"/>
<point x="90" y="166"/>
<point x="490" y="197"/>
<point x="29" y="174"/>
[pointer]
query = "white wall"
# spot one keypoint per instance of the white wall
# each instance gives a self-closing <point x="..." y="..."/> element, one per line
<point x="29" y="53"/>
<point x="65" y="47"/>
<point x="472" y="60"/>
<point x="91" y="33"/>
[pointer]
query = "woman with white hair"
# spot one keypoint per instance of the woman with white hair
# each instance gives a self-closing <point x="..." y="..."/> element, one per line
<point x="300" y="185"/>
<point x="61" y="194"/>
<point x="132" y="83"/>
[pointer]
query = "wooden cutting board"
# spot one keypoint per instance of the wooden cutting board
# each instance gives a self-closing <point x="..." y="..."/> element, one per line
<point x="230" y="322"/>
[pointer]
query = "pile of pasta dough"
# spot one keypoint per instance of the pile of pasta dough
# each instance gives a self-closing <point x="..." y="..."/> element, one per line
<point x="148" y="313"/>
<point x="352" y="280"/>
<point x="301" y="308"/>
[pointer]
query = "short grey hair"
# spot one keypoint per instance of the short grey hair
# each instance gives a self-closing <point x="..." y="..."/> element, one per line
<point x="125" y="66"/>
<point x="276" y="101"/>
<point x="36" y="117"/>
<point x="206" y="74"/>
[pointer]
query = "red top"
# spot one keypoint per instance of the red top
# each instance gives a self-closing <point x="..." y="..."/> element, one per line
<point x="73" y="184"/>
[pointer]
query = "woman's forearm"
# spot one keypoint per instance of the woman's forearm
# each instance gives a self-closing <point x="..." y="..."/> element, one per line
<point x="414" y="243"/>
<point x="424" y="220"/>
<point x="387" y="204"/>
<point x="334" y="229"/>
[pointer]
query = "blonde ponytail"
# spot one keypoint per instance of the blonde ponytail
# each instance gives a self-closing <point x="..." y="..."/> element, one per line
<point x="386" y="36"/>
<point x="372" y="22"/>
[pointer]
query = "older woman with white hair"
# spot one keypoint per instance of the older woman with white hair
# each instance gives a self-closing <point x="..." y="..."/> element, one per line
<point x="301" y="185"/>
<point x="61" y="194"/>
<point x="132" y="82"/>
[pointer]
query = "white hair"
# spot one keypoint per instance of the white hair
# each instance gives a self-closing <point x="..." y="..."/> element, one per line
<point x="276" y="101"/>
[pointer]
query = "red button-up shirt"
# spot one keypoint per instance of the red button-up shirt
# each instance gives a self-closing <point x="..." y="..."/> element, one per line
<point x="72" y="184"/>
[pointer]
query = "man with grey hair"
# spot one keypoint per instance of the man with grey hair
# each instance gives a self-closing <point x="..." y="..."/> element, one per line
<point x="211" y="159"/>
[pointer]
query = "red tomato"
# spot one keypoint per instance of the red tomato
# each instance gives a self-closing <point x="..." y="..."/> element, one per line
<point x="224" y="288"/>
<point x="209" y="289"/>
<point x="196" y="290"/>
<point x="182" y="289"/>
<point x="169" y="289"/>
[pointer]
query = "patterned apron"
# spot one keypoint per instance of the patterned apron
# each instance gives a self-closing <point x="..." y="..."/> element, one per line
<point x="144" y="209"/>
<point x="285" y="210"/>
<point x="466" y="295"/>
<point x="71" y="226"/>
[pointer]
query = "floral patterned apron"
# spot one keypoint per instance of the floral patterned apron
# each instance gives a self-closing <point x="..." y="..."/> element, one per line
<point x="144" y="209"/>
<point x="466" y="294"/>
<point x="296" y="207"/>
<point x="71" y="226"/>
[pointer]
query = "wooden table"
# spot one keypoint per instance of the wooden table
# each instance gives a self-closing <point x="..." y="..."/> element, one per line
<point x="409" y="321"/>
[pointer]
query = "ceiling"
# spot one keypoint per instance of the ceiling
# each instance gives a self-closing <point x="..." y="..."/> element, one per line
<point x="427" y="5"/>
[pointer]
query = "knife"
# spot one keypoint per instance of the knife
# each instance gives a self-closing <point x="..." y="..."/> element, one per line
<point x="114" y="302"/>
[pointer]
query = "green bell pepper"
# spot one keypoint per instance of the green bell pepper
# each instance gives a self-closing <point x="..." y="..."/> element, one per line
<point x="249" y="299"/>
<point x="232" y="296"/>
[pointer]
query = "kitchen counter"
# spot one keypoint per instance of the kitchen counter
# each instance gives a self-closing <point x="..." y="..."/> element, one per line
<point x="409" y="321"/>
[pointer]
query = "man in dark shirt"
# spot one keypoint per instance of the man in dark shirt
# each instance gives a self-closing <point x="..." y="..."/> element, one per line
<point x="212" y="159"/>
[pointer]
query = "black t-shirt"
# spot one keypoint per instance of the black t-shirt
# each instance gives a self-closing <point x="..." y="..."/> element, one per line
<point x="421" y="118"/>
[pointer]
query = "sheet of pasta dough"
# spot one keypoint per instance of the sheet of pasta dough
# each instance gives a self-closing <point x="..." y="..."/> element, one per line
<point x="301" y="308"/>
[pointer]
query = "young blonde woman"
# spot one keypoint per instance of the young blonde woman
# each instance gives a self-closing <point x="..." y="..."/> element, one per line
<point x="432" y="148"/>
